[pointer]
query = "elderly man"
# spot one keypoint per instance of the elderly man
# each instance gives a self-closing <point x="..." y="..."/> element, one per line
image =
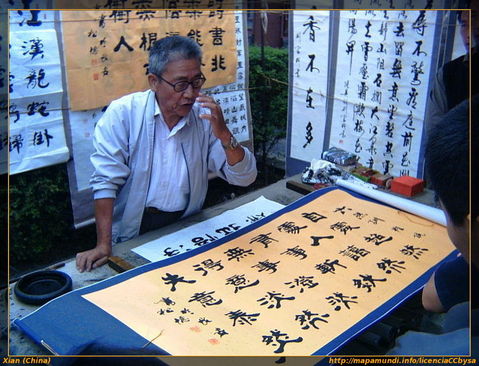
<point x="154" y="150"/>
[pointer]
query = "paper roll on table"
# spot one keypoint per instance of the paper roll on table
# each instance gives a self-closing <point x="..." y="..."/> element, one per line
<point x="419" y="209"/>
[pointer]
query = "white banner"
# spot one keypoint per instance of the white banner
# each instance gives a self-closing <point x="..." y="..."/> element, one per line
<point x="384" y="58"/>
<point x="310" y="75"/>
<point x="207" y="231"/>
<point x="37" y="136"/>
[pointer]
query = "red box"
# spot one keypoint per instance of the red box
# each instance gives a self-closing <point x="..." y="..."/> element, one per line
<point x="407" y="186"/>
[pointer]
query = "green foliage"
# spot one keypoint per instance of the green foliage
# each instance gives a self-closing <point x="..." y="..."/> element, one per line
<point x="268" y="96"/>
<point x="40" y="213"/>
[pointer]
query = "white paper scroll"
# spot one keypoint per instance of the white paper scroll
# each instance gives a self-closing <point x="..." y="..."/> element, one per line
<point x="384" y="58"/>
<point x="310" y="75"/>
<point x="207" y="231"/>
<point x="416" y="208"/>
<point x="37" y="136"/>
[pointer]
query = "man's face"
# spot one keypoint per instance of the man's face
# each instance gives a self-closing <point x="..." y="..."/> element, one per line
<point x="175" y="105"/>
<point x="465" y="28"/>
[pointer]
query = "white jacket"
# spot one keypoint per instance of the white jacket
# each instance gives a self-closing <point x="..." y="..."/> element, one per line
<point x="123" y="141"/>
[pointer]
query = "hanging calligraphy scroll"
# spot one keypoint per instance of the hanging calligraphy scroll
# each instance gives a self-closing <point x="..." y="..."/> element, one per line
<point x="379" y="73"/>
<point x="148" y="6"/>
<point x="301" y="281"/>
<point x="310" y="53"/>
<point x="394" y="4"/>
<point x="107" y="51"/>
<point x="37" y="136"/>
<point x="380" y="95"/>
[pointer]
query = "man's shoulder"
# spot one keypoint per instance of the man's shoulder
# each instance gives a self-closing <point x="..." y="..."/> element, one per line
<point x="131" y="98"/>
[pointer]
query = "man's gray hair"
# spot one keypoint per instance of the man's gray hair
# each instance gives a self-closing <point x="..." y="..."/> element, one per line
<point x="172" y="48"/>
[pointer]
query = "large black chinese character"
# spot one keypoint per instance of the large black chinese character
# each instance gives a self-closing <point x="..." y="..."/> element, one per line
<point x="273" y="299"/>
<point x="36" y="48"/>
<point x="15" y="143"/>
<point x="36" y="107"/>
<point x="388" y="265"/>
<point x="36" y="80"/>
<point x="309" y="135"/>
<point x="276" y="336"/>
<point x="310" y="26"/>
<point x="316" y="239"/>
<point x="343" y="227"/>
<point x="367" y="281"/>
<point x="12" y="110"/>
<point x="264" y="239"/>
<point x="354" y="252"/>
<point x="205" y="298"/>
<point x="240" y="282"/>
<point x="217" y="35"/>
<point x="173" y="280"/>
<point x="218" y="62"/>
<point x="329" y="266"/>
<point x="407" y="139"/>
<point x="40" y="137"/>
<point x="417" y="51"/>
<point x="378" y="80"/>
<point x="296" y="252"/>
<point x="290" y="227"/>
<point x="377" y="239"/>
<point x="302" y="282"/>
<point x="147" y="42"/>
<point x="416" y="70"/>
<point x="313" y="216"/>
<point x="362" y="90"/>
<point x="367" y="26"/>
<point x="310" y="66"/>
<point x="399" y="31"/>
<point x="266" y="266"/>
<point x="242" y="317"/>
<point x="238" y="253"/>
<point x="350" y="51"/>
<point x="310" y="319"/>
<point x="208" y="264"/>
<point x="120" y="16"/>
<point x="419" y="24"/>
<point x="396" y="69"/>
<point x="33" y="21"/>
<point x="366" y="47"/>
<point x="121" y="43"/>
<point x="339" y="299"/>
<point x="309" y="98"/>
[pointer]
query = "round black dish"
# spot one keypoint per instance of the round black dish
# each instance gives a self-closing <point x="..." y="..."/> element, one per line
<point x="37" y="288"/>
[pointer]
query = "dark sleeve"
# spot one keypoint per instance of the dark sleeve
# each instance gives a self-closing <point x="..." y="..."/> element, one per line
<point x="452" y="282"/>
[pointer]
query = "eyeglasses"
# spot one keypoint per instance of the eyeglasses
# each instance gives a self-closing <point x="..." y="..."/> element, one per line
<point x="183" y="85"/>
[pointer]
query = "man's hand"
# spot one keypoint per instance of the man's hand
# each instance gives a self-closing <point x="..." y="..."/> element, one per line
<point x="219" y="128"/>
<point x="218" y="125"/>
<point x="93" y="258"/>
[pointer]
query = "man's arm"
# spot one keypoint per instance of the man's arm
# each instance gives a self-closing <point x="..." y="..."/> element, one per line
<point x="98" y="256"/>
<point x="241" y="167"/>
<point x="220" y="130"/>
<point x="430" y="298"/>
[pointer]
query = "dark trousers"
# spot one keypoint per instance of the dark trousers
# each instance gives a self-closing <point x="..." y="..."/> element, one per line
<point x="154" y="219"/>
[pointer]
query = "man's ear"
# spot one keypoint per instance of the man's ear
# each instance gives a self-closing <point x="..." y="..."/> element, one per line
<point x="153" y="81"/>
